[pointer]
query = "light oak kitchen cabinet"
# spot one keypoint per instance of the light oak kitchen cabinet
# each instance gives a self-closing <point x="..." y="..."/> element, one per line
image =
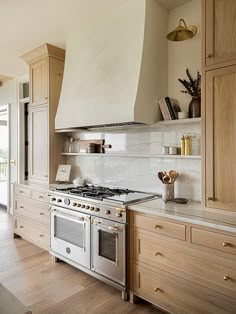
<point x="220" y="138"/>
<point x="31" y="215"/>
<point x="218" y="105"/>
<point x="46" y="65"/>
<point x="31" y="200"/>
<point x="220" y="39"/>
<point x="39" y="82"/>
<point x="39" y="143"/>
<point x="182" y="267"/>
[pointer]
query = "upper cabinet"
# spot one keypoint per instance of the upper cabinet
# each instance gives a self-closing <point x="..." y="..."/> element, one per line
<point x="39" y="82"/>
<point x="220" y="138"/>
<point x="220" y="32"/>
<point x="46" y="66"/>
<point x="218" y="106"/>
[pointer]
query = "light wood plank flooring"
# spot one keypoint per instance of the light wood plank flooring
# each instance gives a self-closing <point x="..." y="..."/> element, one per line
<point x="55" y="288"/>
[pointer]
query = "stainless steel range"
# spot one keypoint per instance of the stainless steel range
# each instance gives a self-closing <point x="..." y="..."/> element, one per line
<point x="88" y="229"/>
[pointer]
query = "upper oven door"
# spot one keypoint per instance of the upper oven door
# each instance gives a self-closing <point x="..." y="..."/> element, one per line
<point x="70" y="235"/>
<point x="108" y="249"/>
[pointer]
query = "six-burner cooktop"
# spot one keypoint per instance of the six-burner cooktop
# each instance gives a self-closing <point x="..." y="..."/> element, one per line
<point x="97" y="192"/>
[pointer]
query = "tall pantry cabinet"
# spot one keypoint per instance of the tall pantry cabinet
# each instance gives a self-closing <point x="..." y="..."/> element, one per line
<point x="46" y="65"/>
<point x="219" y="104"/>
<point x="31" y="201"/>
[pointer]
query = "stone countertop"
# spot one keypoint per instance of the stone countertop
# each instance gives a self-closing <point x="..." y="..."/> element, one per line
<point x="192" y="212"/>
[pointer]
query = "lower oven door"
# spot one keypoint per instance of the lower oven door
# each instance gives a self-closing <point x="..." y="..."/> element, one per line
<point x="108" y="249"/>
<point x="70" y="235"/>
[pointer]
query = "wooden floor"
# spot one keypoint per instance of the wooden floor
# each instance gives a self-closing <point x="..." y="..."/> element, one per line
<point x="55" y="288"/>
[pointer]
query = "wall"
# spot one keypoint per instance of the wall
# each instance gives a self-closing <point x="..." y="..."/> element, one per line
<point x="8" y="95"/>
<point x="184" y="54"/>
<point x="131" y="170"/>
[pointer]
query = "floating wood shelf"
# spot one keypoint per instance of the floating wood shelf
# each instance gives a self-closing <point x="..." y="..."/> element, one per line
<point x="134" y="155"/>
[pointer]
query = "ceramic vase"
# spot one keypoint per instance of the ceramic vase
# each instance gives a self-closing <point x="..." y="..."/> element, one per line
<point x="194" y="108"/>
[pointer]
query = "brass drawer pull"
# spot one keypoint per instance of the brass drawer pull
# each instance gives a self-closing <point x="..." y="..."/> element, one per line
<point x="40" y="196"/>
<point x="226" y="278"/>
<point x="156" y="226"/>
<point x="21" y="191"/>
<point x="41" y="214"/>
<point x="209" y="55"/>
<point x="22" y="207"/>
<point x="210" y="199"/>
<point x="41" y="236"/>
<point x="156" y="289"/>
<point x="226" y="244"/>
<point x="157" y="253"/>
<point x="21" y="226"/>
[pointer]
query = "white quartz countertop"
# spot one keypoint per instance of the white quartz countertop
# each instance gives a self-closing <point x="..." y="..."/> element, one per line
<point x="192" y="212"/>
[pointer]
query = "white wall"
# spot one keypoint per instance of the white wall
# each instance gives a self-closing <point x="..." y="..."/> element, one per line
<point x="184" y="54"/>
<point x="8" y="95"/>
<point x="140" y="173"/>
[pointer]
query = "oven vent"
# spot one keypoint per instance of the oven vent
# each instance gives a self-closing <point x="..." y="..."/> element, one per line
<point x="114" y="125"/>
<point x="116" y="69"/>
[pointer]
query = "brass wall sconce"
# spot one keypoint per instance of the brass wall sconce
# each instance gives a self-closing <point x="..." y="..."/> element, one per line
<point x="182" y="32"/>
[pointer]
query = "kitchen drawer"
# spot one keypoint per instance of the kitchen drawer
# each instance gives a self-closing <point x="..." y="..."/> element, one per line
<point x="40" y="196"/>
<point x="174" y="259"/>
<point x="177" y="297"/>
<point x="213" y="240"/>
<point x="159" y="226"/>
<point x="32" y="209"/>
<point x="22" y="191"/>
<point x="29" y="229"/>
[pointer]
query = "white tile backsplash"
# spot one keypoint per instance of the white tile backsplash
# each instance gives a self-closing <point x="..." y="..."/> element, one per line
<point x="141" y="172"/>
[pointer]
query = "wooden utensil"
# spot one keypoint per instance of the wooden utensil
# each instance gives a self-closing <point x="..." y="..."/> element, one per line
<point x="160" y="176"/>
<point x="173" y="175"/>
<point x="166" y="179"/>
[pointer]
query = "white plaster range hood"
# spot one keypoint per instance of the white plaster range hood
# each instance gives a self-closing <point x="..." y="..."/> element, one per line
<point x="116" y="68"/>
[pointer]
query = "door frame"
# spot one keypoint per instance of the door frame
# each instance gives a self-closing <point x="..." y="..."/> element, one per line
<point x="7" y="106"/>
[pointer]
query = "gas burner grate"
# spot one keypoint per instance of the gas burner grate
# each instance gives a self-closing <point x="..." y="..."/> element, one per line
<point x="97" y="192"/>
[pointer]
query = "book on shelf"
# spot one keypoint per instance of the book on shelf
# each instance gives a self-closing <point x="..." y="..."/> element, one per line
<point x="169" y="108"/>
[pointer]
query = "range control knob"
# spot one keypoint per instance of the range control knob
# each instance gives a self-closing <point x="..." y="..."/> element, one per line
<point x="118" y="215"/>
<point x="82" y="206"/>
<point x="92" y="208"/>
<point x="54" y="199"/>
<point x="97" y="209"/>
<point x="107" y="212"/>
<point x="59" y="200"/>
<point x="67" y="201"/>
<point x="78" y="205"/>
<point x="74" y="204"/>
<point x="87" y="207"/>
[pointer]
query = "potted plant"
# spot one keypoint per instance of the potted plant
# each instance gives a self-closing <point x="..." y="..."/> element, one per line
<point x="193" y="88"/>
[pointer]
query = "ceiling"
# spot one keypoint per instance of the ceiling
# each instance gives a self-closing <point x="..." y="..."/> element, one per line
<point x="27" y="24"/>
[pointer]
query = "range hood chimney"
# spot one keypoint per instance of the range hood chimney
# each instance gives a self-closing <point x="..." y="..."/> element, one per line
<point x="116" y="68"/>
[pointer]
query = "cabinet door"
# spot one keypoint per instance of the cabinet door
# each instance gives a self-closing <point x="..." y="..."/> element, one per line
<point x="220" y="30"/>
<point x="38" y="143"/>
<point x="39" y="83"/>
<point x="221" y="138"/>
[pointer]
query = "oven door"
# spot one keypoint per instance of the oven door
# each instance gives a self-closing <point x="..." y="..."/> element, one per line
<point x="70" y="235"/>
<point x="108" y="249"/>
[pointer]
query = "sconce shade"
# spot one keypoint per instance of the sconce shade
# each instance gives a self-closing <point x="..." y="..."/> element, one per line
<point x="181" y="33"/>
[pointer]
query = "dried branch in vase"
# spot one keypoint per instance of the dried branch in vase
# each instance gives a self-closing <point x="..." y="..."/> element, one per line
<point x="192" y="86"/>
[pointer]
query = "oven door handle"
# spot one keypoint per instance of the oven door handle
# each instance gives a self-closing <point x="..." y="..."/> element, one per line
<point x="72" y="218"/>
<point x="99" y="224"/>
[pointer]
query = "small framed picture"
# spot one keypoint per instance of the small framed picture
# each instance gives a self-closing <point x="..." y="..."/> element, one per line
<point x="63" y="173"/>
